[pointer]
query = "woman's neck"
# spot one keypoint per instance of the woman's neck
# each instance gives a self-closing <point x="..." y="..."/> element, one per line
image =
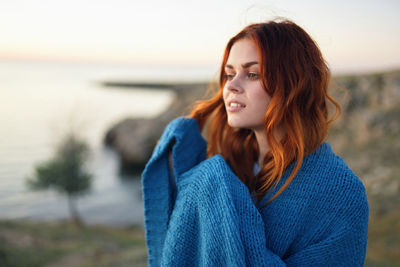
<point x="263" y="145"/>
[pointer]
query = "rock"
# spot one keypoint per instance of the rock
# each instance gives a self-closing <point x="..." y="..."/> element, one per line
<point x="134" y="138"/>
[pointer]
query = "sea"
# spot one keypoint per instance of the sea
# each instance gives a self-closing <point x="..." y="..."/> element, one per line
<point x="40" y="101"/>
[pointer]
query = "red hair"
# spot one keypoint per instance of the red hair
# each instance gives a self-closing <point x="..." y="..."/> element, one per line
<point x="296" y="77"/>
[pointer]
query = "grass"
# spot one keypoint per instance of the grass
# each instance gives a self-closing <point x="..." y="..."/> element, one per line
<point x="384" y="240"/>
<point x="62" y="244"/>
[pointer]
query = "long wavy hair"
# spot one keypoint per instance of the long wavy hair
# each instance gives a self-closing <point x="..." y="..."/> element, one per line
<point x="296" y="77"/>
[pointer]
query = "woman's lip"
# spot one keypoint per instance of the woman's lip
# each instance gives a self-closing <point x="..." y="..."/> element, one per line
<point x="235" y="108"/>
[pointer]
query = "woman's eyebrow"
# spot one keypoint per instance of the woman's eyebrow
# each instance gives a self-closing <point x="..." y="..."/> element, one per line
<point x="245" y="65"/>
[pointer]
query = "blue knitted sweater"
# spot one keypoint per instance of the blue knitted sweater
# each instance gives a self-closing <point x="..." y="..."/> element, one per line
<point x="203" y="215"/>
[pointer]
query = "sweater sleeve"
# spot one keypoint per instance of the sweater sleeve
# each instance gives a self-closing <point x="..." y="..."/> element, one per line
<point x="214" y="222"/>
<point x="159" y="185"/>
<point x="344" y="242"/>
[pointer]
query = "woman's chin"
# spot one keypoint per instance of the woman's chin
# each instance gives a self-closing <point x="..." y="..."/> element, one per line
<point x="237" y="124"/>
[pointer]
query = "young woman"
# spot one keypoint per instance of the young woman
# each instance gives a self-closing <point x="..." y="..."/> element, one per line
<point x="264" y="189"/>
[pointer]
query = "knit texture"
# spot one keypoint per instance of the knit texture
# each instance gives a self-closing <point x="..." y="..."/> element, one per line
<point x="201" y="214"/>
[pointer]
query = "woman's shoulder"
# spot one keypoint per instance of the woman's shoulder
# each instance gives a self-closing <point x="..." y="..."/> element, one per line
<point x="323" y="162"/>
<point x="327" y="173"/>
<point x="323" y="183"/>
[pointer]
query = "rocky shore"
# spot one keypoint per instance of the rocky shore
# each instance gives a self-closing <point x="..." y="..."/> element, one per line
<point x="135" y="138"/>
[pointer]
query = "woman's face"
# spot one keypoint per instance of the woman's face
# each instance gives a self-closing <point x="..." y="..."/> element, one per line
<point x="246" y="101"/>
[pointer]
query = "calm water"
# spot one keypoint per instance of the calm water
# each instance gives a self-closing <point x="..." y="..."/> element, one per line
<point x="40" y="101"/>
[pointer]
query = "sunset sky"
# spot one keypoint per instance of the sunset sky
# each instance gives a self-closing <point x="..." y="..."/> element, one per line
<point x="353" y="35"/>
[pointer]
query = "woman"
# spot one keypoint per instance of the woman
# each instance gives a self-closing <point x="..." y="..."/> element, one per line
<point x="296" y="202"/>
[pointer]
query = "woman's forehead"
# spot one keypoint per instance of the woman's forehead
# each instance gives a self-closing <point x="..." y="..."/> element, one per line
<point x="243" y="52"/>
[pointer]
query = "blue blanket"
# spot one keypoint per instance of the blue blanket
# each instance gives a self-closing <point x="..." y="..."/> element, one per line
<point x="201" y="214"/>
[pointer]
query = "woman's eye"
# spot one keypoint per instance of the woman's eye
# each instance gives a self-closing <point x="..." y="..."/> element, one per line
<point x="229" y="76"/>
<point x="253" y="76"/>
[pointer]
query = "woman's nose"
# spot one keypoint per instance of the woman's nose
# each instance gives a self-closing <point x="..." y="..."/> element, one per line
<point x="235" y="85"/>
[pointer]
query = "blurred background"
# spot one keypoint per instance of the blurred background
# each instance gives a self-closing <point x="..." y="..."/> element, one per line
<point x="114" y="73"/>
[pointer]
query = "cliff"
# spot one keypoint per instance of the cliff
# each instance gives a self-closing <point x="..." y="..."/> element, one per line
<point x="367" y="133"/>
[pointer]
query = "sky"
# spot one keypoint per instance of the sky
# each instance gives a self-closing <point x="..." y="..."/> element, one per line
<point x="354" y="36"/>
